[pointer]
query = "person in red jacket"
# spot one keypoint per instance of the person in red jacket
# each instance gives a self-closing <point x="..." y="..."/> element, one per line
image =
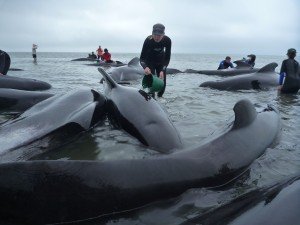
<point x="106" y="56"/>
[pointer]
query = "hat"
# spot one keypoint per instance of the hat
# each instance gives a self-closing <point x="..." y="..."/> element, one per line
<point x="291" y="51"/>
<point x="158" y="29"/>
<point x="105" y="50"/>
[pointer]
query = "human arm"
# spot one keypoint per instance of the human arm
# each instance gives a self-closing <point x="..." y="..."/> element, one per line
<point x="143" y="57"/>
<point x="281" y="78"/>
<point x="221" y="65"/>
<point x="282" y="73"/>
<point x="167" y="53"/>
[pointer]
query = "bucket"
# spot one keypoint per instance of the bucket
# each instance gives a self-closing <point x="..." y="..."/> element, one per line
<point x="152" y="82"/>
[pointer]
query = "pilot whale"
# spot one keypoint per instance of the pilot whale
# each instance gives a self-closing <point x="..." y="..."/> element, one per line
<point x="23" y="83"/>
<point x="263" y="79"/>
<point x="16" y="101"/>
<point x="76" y="112"/>
<point x="241" y="68"/>
<point x="39" y="192"/>
<point x="133" y="71"/>
<point x="140" y="115"/>
<point x="275" y="204"/>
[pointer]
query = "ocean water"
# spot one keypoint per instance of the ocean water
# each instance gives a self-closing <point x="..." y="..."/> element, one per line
<point x="196" y="112"/>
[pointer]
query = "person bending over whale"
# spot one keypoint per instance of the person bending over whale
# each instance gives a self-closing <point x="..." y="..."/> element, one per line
<point x="106" y="56"/>
<point x="4" y="62"/>
<point x="225" y="63"/>
<point x="251" y="60"/>
<point x="92" y="56"/>
<point x="289" y="79"/>
<point x="156" y="54"/>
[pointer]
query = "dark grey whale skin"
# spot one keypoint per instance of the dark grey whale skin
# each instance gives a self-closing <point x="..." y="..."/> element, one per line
<point x="140" y="115"/>
<point x="17" y="101"/>
<point x="69" y="114"/>
<point x="23" y="83"/>
<point x="241" y="68"/>
<point x="275" y="204"/>
<point x="264" y="79"/>
<point x="39" y="192"/>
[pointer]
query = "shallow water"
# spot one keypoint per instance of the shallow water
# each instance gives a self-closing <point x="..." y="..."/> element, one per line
<point x="196" y="112"/>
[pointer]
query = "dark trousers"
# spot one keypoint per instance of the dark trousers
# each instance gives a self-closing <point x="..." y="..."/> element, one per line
<point x="155" y="70"/>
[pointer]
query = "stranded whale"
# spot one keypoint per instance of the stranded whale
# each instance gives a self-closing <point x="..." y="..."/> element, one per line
<point x="74" y="112"/>
<point x="263" y="79"/>
<point x="64" y="191"/>
<point x="140" y="115"/>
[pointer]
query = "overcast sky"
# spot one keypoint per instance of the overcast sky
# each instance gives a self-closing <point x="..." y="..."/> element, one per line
<point x="195" y="26"/>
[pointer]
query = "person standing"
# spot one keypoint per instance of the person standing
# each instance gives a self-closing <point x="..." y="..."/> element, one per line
<point x="156" y="54"/>
<point x="34" y="47"/>
<point x="4" y="62"/>
<point x="289" y="80"/>
<point x="99" y="52"/>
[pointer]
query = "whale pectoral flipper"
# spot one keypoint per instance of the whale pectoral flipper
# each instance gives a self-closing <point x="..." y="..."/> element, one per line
<point x="245" y="113"/>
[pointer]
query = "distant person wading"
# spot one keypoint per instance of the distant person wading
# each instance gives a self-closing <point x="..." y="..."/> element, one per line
<point x="34" y="47"/>
<point x="156" y="54"/>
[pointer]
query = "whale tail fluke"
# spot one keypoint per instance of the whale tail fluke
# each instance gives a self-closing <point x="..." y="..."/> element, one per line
<point x="107" y="78"/>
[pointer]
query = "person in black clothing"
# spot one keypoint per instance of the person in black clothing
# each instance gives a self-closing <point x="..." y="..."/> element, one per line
<point x="156" y="54"/>
<point x="225" y="63"/>
<point x="4" y="62"/>
<point x="251" y="60"/>
<point x="290" y="71"/>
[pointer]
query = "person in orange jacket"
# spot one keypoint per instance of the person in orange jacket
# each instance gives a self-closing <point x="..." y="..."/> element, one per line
<point x="99" y="52"/>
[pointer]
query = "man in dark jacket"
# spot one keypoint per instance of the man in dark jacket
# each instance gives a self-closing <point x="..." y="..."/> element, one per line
<point x="225" y="63"/>
<point x="156" y="54"/>
<point x="289" y="79"/>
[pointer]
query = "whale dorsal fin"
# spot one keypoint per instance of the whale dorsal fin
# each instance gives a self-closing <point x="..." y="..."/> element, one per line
<point x="241" y="63"/>
<point x="245" y="113"/>
<point x="134" y="62"/>
<point x="268" y="68"/>
<point x="111" y="83"/>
